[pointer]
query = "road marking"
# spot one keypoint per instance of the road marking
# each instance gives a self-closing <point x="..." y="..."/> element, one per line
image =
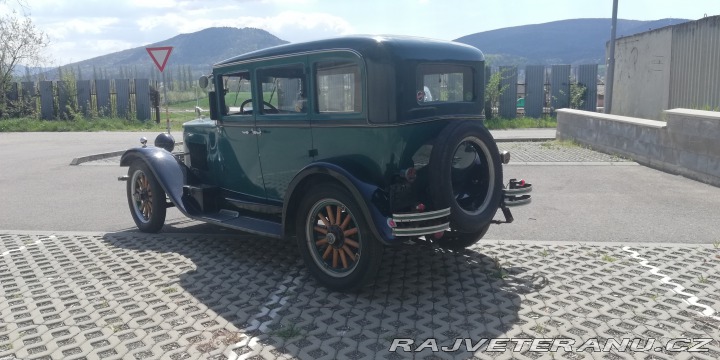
<point x="691" y="300"/>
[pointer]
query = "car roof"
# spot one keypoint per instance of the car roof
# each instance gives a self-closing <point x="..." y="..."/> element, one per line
<point x="372" y="47"/>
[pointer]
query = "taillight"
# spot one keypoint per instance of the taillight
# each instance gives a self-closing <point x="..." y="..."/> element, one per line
<point x="409" y="174"/>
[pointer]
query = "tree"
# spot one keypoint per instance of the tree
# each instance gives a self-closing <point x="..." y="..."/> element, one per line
<point x="494" y="90"/>
<point x="20" y="43"/>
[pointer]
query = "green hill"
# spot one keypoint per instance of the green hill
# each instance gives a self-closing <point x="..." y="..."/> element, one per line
<point x="198" y="51"/>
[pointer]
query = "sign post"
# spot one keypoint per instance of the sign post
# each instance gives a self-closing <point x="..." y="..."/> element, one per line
<point x="160" y="56"/>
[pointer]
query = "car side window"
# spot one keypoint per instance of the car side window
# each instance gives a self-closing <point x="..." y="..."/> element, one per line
<point x="283" y="89"/>
<point x="237" y="99"/>
<point x="338" y="88"/>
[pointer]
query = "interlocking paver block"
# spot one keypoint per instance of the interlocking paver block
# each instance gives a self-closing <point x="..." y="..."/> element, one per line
<point x="202" y="296"/>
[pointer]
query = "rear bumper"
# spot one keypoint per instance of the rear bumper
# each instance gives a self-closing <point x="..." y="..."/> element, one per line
<point x="517" y="193"/>
<point x="419" y="224"/>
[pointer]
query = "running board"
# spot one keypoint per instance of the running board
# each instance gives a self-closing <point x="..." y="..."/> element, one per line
<point x="234" y="220"/>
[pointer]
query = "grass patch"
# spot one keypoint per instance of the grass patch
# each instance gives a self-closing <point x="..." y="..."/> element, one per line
<point x="559" y="144"/>
<point x="520" y="123"/>
<point x="608" y="258"/>
<point x="288" y="332"/>
<point x="189" y="104"/>
<point x="102" y="124"/>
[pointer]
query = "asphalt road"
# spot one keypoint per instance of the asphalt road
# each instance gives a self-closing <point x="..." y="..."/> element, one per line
<point x="627" y="204"/>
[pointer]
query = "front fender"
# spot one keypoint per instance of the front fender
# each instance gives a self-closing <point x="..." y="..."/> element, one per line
<point x="362" y="192"/>
<point x="169" y="172"/>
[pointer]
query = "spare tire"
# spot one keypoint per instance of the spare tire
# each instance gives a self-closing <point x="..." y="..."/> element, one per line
<point x="465" y="175"/>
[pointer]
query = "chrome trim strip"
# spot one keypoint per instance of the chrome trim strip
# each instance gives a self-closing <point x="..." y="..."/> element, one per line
<point x="421" y="231"/>
<point x="517" y="201"/>
<point x="284" y="56"/>
<point x="430" y="215"/>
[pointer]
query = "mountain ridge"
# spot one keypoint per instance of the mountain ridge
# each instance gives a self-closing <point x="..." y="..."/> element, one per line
<point x="571" y="41"/>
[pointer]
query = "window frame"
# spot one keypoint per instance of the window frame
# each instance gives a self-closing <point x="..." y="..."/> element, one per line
<point x="469" y="79"/>
<point x="341" y="56"/>
<point x="257" y="86"/>
<point x="234" y="117"/>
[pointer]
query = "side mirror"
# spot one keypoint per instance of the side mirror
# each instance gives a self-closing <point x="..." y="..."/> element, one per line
<point x="203" y="82"/>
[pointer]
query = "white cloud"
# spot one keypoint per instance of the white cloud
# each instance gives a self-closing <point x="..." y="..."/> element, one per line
<point x="155" y="4"/>
<point x="285" y="25"/>
<point x="79" y="26"/>
<point x="298" y="20"/>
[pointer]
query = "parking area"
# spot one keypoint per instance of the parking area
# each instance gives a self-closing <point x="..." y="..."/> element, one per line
<point x="607" y="250"/>
<point x="129" y="295"/>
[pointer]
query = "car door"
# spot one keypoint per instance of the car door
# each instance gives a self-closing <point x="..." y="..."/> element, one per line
<point x="239" y="170"/>
<point x="282" y="123"/>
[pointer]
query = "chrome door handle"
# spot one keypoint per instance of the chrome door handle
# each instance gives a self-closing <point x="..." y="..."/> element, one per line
<point x="252" y="132"/>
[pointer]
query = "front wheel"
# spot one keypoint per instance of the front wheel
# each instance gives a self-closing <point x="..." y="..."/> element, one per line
<point x="334" y="239"/>
<point x="455" y="240"/>
<point x="146" y="198"/>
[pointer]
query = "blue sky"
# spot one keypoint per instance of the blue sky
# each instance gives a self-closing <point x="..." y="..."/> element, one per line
<point x="82" y="29"/>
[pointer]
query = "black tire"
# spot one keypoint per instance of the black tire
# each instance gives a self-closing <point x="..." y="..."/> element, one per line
<point x="338" y="256"/>
<point x="146" y="198"/>
<point x="454" y="240"/>
<point x="465" y="174"/>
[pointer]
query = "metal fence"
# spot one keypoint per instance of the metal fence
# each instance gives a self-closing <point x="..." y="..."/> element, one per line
<point x="694" y="71"/>
<point x="545" y="89"/>
<point x="53" y="100"/>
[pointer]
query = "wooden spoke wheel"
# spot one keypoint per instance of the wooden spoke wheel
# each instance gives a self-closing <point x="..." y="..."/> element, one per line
<point x="335" y="236"/>
<point x="334" y="240"/>
<point x="146" y="198"/>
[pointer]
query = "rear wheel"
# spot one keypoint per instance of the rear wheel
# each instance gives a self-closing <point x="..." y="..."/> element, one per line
<point x="334" y="240"/>
<point x="455" y="240"/>
<point x="146" y="198"/>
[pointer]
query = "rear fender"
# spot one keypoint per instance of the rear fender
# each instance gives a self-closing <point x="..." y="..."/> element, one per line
<point x="168" y="170"/>
<point x="361" y="191"/>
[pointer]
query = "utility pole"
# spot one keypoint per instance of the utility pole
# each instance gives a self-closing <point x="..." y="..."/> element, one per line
<point x="611" y="62"/>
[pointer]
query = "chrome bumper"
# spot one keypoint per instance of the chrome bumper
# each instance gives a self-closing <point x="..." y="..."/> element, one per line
<point x="517" y="193"/>
<point x="419" y="224"/>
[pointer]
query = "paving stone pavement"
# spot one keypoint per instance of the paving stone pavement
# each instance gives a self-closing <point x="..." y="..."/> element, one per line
<point x="553" y="151"/>
<point x="171" y="296"/>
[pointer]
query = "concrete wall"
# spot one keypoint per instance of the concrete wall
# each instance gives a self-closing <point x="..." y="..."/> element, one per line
<point x="687" y="144"/>
<point x="642" y="74"/>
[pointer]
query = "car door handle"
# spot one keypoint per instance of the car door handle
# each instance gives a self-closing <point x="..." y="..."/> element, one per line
<point x="252" y="132"/>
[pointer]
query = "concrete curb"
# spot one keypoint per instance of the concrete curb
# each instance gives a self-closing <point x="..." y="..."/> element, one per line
<point x="519" y="139"/>
<point x="100" y="156"/>
<point x="82" y="159"/>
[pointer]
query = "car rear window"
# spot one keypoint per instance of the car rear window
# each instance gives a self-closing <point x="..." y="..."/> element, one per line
<point x="444" y="83"/>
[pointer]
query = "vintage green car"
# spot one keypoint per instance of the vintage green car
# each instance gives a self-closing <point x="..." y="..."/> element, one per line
<point x="343" y="145"/>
